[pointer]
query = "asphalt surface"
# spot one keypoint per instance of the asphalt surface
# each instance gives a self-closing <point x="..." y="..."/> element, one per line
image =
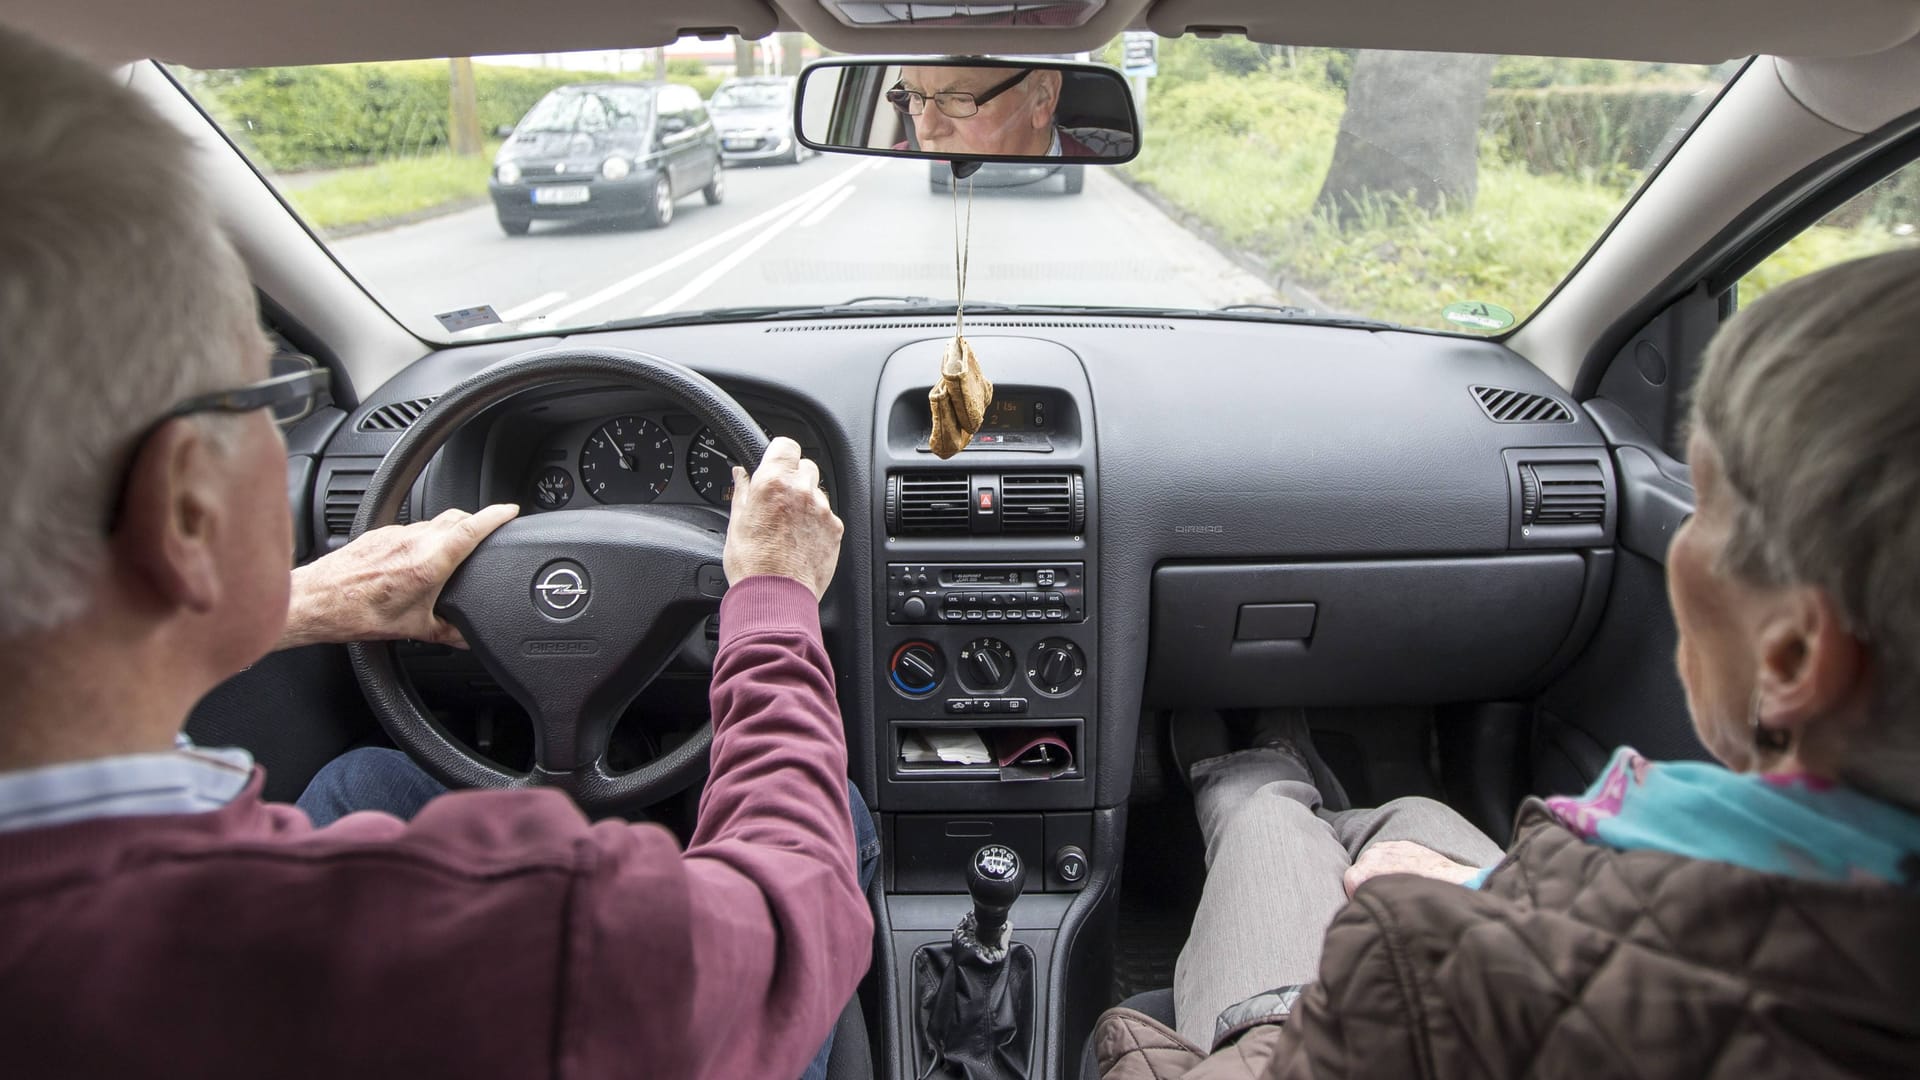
<point x="822" y="232"/>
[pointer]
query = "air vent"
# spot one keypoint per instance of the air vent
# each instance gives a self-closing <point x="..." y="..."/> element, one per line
<point x="923" y="503"/>
<point x="1042" y="502"/>
<point x="398" y="416"/>
<point x="1520" y="407"/>
<point x="937" y="324"/>
<point x="345" y="489"/>
<point x="1562" y="493"/>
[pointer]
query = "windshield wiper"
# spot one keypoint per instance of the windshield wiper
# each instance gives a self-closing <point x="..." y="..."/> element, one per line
<point x="861" y="305"/>
<point x="921" y="305"/>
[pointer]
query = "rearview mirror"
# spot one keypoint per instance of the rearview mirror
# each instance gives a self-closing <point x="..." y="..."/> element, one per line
<point x="968" y="109"/>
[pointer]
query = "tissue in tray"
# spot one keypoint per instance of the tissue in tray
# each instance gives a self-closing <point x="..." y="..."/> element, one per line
<point x="944" y="748"/>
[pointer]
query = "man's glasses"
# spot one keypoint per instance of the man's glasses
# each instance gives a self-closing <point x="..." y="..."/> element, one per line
<point x="291" y="397"/>
<point x="955" y="104"/>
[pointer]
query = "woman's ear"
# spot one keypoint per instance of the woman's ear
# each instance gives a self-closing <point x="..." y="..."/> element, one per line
<point x="166" y="530"/>
<point x="1812" y="669"/>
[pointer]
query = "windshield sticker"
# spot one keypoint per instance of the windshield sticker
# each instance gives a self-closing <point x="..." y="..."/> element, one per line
<point x="468" y="318"/>
<point x="1477" y="316"/>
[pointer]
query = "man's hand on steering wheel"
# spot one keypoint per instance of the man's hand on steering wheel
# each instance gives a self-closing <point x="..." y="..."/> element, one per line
<point x="781" y="521"/>
<point x="385" y="583"/>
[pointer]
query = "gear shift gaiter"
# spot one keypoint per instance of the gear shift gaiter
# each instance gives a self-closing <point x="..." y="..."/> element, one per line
<point x="973" y="997"/>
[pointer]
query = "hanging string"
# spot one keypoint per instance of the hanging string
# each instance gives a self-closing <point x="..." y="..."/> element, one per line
<point x="962" y="250"/>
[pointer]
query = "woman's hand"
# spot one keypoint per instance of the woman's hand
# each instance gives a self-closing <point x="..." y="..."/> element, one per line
<point x="1404" y="857"/>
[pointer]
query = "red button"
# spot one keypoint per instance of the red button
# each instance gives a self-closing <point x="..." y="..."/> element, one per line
<point x="986" y="500"/>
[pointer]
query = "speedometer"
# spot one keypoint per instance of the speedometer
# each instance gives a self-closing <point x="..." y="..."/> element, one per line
<point x="628" y="459"/>
<point x="710" y="471"/>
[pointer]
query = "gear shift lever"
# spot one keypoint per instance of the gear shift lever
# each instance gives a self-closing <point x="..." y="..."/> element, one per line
<point x="973" y="996"/>
<point x="995" y="877"/>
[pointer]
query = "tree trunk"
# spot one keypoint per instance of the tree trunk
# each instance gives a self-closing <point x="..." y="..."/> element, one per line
<point x="463" y="127"/>
<point x="743" y="56"/>
<point x="790" y="46"/>
<point x="660" y="65"/>
<point x="1411" y="131"/>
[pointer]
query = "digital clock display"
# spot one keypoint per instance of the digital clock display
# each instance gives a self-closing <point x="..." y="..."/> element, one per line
<point x="1017" y="414"/>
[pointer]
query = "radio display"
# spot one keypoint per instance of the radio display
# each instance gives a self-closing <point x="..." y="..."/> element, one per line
<point x="981" y="577"/>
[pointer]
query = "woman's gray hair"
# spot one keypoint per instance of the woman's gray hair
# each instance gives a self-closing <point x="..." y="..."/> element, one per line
<point x="1811" y="398"/>
<point x="119" y="296"/>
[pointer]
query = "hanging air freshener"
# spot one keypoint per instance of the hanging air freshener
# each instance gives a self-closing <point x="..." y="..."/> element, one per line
<point x="961" y="392"/>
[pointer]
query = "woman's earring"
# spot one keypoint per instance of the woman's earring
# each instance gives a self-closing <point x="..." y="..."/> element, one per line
<point x="1768" y="740"/>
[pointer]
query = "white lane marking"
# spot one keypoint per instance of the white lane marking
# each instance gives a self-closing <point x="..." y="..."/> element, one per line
<point x="820" y="213"/>
<point x="532" y="307"/>
<point x="627" y="284"/>
<point x="714" y="273"/>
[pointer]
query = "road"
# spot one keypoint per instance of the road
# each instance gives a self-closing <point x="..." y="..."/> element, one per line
<point x="825" y="231"/>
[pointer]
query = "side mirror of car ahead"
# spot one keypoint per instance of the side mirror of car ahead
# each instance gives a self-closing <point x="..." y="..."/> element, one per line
<point x="968" y="110"/>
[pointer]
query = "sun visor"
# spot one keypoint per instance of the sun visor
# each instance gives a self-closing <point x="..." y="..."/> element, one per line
<point x="250" y="33"/>
<point x="1694" y="32"/>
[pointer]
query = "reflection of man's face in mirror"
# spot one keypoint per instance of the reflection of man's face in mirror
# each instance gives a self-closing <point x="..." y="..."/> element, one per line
<point x="1018" y="121"/>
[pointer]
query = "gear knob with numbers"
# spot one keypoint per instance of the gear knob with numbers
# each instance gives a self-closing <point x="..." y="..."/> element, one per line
<point x="995" y="876"/>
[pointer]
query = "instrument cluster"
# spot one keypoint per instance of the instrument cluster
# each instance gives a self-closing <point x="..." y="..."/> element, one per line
<point x="634" y="458"/>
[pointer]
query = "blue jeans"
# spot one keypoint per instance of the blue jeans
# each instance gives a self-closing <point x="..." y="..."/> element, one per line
<point x="376" y="778"/>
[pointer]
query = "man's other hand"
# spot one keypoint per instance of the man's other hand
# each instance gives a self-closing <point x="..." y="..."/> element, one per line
<point x="1404" y="857"/>
<point x="781" y="521"/>
<point x="384" y="584"/>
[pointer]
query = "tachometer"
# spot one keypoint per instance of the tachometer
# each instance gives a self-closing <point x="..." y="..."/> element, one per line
<point x="628" y="459"/>
<point x="710" y="471"/>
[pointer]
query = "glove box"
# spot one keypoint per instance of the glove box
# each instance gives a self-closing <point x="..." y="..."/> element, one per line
<point x="1387" y="632"/>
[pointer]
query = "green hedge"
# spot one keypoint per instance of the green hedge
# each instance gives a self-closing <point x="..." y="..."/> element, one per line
<point x="1600" y="133"/>
<point x="352" y="114"/>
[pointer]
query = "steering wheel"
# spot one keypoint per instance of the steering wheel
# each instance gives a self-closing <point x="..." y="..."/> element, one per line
<point x="573" y="612"/>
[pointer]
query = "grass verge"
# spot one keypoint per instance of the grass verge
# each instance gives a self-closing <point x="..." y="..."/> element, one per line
<point x="392" y="191"/>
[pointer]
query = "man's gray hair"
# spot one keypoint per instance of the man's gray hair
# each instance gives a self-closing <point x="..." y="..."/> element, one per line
<point x="119" y="296"/>
<point x="1812" y="400"/>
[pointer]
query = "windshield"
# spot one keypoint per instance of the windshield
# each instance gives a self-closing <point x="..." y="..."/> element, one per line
<point x="751" y="96"/>
<point x="510" y="195"/>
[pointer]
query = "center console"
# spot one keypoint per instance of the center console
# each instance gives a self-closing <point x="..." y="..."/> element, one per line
<point x="986" y="666"/>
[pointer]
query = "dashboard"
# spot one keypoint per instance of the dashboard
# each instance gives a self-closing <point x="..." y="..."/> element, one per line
<point x="1254" y="514"/>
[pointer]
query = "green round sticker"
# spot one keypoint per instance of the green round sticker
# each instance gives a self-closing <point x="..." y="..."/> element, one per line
<point x="1475" y="315"/>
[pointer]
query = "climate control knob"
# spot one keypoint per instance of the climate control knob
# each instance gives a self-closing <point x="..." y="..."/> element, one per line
<point x="1056" y="666"/>
<point x="987" y="666"/>
<point x="917" y="668"/>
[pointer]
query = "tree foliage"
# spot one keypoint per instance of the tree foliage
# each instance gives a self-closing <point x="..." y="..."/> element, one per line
<point x="352" y="114"/>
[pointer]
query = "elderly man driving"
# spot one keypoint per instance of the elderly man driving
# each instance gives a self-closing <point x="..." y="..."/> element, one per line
<point x="157" y="918"/>
<point x="995" y="111"/>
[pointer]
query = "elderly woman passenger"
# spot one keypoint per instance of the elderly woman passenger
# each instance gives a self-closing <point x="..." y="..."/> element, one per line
<point x="1760" y="917"/>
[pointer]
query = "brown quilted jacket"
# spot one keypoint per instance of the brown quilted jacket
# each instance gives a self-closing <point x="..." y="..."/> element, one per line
<point x="1577" y="960"/>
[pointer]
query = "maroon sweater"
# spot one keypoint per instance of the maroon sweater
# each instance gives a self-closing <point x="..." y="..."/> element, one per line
<point x="499" y="934"/>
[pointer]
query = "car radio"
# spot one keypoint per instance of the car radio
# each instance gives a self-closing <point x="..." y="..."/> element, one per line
<point x="919" y="593"/>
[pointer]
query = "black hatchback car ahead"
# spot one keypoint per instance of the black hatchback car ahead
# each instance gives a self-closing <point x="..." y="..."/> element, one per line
<point x="606" y="150"/>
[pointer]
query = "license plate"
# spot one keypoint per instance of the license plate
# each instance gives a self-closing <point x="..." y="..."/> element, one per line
<point x="560" y="196"/>
<point x="739" y="144"/>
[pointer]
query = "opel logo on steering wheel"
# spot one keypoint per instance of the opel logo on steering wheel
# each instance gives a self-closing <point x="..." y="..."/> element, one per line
<point x="561" y="589"/>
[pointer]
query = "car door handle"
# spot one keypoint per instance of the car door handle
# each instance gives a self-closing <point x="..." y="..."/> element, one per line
<point x="1653" y="504"/>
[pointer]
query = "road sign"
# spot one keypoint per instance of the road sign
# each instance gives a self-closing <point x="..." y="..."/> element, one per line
<point x="1139" y="57"/>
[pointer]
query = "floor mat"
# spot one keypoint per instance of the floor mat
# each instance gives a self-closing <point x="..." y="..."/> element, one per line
<point x="1166" y="868"/>
<point x="1148" y="944"/>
